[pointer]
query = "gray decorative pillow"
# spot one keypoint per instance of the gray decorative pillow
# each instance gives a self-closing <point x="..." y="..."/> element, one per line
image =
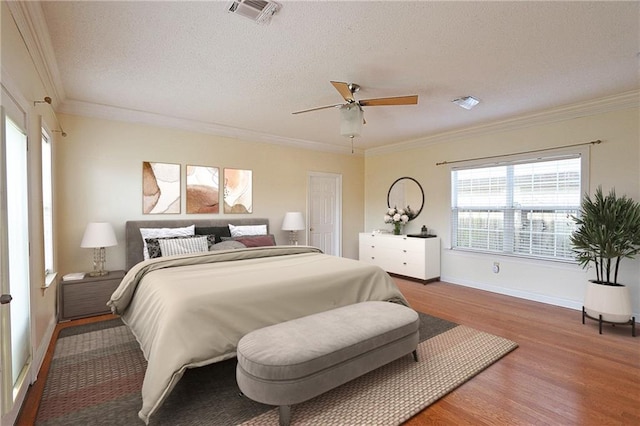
<point x="228" y="245"/>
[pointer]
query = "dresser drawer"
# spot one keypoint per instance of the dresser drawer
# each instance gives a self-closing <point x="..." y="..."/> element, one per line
<point x="404" y="244"/>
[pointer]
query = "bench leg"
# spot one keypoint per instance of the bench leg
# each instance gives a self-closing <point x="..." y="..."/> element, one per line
<point x="415" y="355"/>
<point x="285" y="415"/>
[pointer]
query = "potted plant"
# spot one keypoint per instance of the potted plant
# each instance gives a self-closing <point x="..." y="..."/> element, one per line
<point x="399" y="218"/>
<point x="608" y="231"/>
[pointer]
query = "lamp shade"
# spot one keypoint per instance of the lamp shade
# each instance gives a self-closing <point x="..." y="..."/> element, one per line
<point x="352" y="120"/>
<point x="293" y="221"/>
<point x="98" y="234"/>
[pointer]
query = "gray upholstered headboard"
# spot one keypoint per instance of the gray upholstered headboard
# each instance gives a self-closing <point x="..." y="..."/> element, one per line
<point x="134" y="238"/>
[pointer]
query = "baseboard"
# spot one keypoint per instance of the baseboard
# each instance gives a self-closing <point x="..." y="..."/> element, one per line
<point x="41" y="351"/>
<point x="555" y="301"/>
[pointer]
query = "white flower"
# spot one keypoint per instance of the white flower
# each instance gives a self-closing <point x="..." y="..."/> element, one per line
<point x="398" y="216"/>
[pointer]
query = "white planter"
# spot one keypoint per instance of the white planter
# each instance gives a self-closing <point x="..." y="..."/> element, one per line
<point x="613" y="302"/>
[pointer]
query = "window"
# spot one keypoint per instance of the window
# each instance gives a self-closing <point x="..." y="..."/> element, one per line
<point x="521" y="207"/>
<point x="47" y="203"/>
<point x="17" y="245"/>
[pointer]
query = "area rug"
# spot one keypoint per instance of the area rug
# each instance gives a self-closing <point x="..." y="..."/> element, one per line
<point x="97" y="370"/>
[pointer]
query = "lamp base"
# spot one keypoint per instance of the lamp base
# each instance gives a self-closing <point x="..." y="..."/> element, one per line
<point x="98" y="263"/>
<point x="293" y="238"/>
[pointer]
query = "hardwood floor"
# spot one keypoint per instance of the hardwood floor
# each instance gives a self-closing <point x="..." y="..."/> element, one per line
<point x="563" y="372"/>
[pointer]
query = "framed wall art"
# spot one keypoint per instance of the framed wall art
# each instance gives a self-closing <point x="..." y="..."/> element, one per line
<point x="160" y="188"/>
<point x="203" y="189"/>
<point x="238" y="190"/>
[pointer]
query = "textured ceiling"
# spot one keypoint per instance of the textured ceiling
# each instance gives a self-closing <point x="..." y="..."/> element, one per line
<point x="195" y="61"/>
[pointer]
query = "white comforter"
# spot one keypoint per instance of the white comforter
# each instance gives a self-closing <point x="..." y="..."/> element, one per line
<point x="191" y="310"/>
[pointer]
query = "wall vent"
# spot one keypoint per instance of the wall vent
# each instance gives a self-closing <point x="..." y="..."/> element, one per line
<point x="259" y="11"/>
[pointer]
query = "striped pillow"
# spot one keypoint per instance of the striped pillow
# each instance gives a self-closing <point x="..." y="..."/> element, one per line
<point x="173" y="246"/>
<point x="153" y="244"/>
<point x="163" y="233"/>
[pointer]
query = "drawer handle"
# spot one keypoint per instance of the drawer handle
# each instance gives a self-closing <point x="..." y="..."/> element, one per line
<point x="404" y="251"/>
<point x="404" y="263"/>
<point x="373" y="246"/>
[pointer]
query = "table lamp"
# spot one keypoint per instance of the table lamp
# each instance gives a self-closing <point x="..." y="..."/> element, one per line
<point x="98" y="235"/>
<point x="293" y="222"/>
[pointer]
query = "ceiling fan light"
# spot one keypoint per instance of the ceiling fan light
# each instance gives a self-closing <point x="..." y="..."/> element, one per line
<point x="352" y="120"/>
<point x="466" y="102"/>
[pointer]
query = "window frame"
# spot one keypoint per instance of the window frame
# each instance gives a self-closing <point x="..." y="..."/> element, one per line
<point x="583" y="152"/>
<point x="47" y="198"/>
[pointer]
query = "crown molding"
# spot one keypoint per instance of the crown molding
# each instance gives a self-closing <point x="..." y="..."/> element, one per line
<point x="30" y="21"/>
<point x="603" y="105"/>
<point x="142" y="117"/>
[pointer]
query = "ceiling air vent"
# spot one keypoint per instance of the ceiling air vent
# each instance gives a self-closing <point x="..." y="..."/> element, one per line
<point x="259" y="11"/>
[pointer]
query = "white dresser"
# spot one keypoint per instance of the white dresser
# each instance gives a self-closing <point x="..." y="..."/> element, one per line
<point x="402" y="255"/>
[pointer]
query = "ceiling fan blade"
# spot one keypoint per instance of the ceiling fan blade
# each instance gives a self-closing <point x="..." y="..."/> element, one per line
<point x="344" y="90"/>
<point x="316" y="109"/>
<point x="398" y="100"/>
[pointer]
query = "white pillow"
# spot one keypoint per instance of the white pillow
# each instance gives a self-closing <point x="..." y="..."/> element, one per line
<point x="245" y="230"/>
<point x="173" y="246"/>
<point x="187" y="231"/>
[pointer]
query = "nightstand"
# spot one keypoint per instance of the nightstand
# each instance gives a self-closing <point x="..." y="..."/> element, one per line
<point x="87" y="297"/>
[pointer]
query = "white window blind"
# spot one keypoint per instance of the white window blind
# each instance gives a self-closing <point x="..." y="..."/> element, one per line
<point x="521" y="208"/>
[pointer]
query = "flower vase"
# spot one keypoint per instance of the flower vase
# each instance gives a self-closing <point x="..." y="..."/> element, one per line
<point x="397" y="228"/>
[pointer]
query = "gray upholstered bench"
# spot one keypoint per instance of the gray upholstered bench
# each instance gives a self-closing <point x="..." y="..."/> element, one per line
<point x="291" y="362"/>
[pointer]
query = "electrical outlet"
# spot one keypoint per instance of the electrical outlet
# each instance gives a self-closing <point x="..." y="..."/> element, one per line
<point x="496" y="267"/>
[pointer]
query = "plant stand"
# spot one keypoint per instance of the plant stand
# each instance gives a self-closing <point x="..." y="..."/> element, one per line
<point x="631" y="322"/>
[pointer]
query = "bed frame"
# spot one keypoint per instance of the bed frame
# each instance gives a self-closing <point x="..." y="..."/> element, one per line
<point x="133" y="237"/>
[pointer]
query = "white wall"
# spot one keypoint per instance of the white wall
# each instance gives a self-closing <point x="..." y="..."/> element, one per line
<point x="99" y="178"/>
<point x="613" y="163"/>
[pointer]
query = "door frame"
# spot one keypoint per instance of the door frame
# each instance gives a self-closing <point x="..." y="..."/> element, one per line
<point x="337" y="213"/>
<point x="11" y="404"/>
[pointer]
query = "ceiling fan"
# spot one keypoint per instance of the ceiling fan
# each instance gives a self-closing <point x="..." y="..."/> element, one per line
<point x="352" y="112"/>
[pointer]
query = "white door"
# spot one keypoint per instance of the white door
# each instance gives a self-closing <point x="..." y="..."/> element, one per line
<point x="325" y="207"/>
<point x="15" y="339"/>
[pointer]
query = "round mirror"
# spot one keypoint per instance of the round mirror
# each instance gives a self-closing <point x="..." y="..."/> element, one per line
<point x="406" y="191"/>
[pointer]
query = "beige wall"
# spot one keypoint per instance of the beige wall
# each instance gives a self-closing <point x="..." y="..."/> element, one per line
<point x="99" y="178"/>
<point x="614" y="163"/>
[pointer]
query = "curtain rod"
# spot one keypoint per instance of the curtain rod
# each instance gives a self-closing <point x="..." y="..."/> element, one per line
<point x="596" y="142"/>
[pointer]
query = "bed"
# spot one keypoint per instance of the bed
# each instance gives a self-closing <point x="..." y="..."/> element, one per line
<point x="191" y="310"/>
